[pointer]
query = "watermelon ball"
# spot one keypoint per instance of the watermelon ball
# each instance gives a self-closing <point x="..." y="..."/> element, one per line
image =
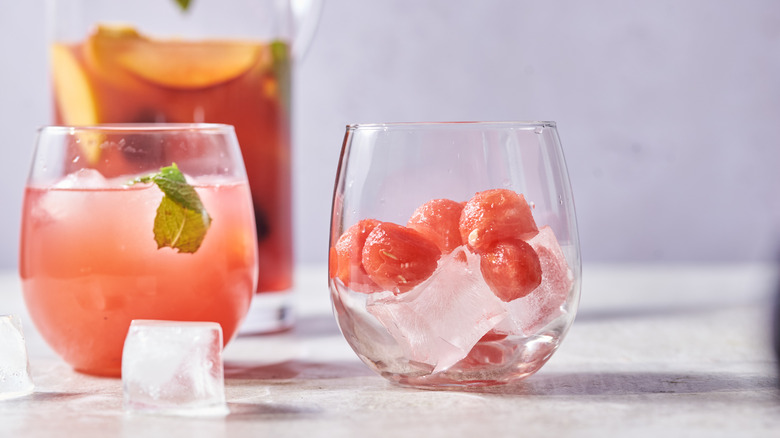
<point x="438" y="220"/>
<point x="511" y="269"/>
<point x="346" y="258"/>
<point x="398" y="258"/>
<point x="495" y="215"/>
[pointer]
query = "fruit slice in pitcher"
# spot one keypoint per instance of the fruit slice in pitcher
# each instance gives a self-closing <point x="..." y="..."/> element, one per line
<point x="73" y="93"/>
<point x="74" y="98"/>
<point x="172" y="63"/>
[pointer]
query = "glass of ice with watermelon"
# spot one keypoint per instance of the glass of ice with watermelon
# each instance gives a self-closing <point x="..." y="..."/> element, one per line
<point x="124" y="222"/>
<point x="454" y="256"/>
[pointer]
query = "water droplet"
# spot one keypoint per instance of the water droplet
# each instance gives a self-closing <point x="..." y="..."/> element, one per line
<point x="538" y="130"/>
<point x="76" y="160"/>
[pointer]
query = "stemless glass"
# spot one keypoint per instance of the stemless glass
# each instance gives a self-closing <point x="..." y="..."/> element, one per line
<point x="90" y="260"/>
<point x="454" y="256"/>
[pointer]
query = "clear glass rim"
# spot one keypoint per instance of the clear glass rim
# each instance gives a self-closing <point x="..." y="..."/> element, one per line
<point x="520" y="124"/>
<point x="137" y="128"/>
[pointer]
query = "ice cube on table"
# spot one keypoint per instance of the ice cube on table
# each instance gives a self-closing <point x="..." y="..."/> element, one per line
<point x="15" y="378"/>
<point x="174" y="367"/>
<point x="543" y="305"/>
<point x="438" y="322"/>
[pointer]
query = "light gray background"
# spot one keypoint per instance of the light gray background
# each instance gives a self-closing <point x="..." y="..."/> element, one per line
<point x="669" y="110"/>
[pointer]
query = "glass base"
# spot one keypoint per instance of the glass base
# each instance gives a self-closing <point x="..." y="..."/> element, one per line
<point x="269" y="312"/>
<point x="27" y="389"/>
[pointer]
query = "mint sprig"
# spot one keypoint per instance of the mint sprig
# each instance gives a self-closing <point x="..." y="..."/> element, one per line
<point x="181" y="221"/>
<point x="280" y="54"/>
<point x="183" y="4"/>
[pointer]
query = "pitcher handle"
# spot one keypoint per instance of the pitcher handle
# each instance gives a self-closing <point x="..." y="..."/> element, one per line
<point x="306" y="17"/>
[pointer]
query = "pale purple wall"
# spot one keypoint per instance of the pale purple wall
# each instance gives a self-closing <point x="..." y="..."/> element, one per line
<point x="669" y="111"/>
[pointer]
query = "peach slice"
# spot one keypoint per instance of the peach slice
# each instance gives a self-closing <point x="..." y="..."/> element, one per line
<point x="72" y="90"/>
<point x="172" y="63"/>
<point x="75" y="98"/>
<point x="190" y="65"/>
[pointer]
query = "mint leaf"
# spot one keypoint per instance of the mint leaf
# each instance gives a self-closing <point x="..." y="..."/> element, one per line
<point x="183" y="4"/>
<point x="179" y="228"/>
<point x="182" y="221"/>
<point x="280" y="54"/>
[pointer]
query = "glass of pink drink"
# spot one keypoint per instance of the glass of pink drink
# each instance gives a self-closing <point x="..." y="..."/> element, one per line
<point x="454" y="256"/>
<point x="96" y="253"/>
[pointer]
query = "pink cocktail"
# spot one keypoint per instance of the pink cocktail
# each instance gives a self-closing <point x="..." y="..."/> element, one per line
<point x="91" y="255"/>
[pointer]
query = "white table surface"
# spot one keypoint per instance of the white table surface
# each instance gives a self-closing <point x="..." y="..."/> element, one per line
<point x="678" y="350"/>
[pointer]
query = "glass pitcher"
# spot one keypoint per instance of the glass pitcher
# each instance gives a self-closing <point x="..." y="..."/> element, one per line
<point x="215" y="61"/>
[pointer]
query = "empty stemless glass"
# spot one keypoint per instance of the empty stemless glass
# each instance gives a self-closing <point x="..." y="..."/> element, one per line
<point x="104" y="243"/>
<point x="454" y="256"/>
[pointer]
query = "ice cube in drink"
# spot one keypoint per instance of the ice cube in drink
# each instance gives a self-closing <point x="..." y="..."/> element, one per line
<point x="438" y="322"/>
